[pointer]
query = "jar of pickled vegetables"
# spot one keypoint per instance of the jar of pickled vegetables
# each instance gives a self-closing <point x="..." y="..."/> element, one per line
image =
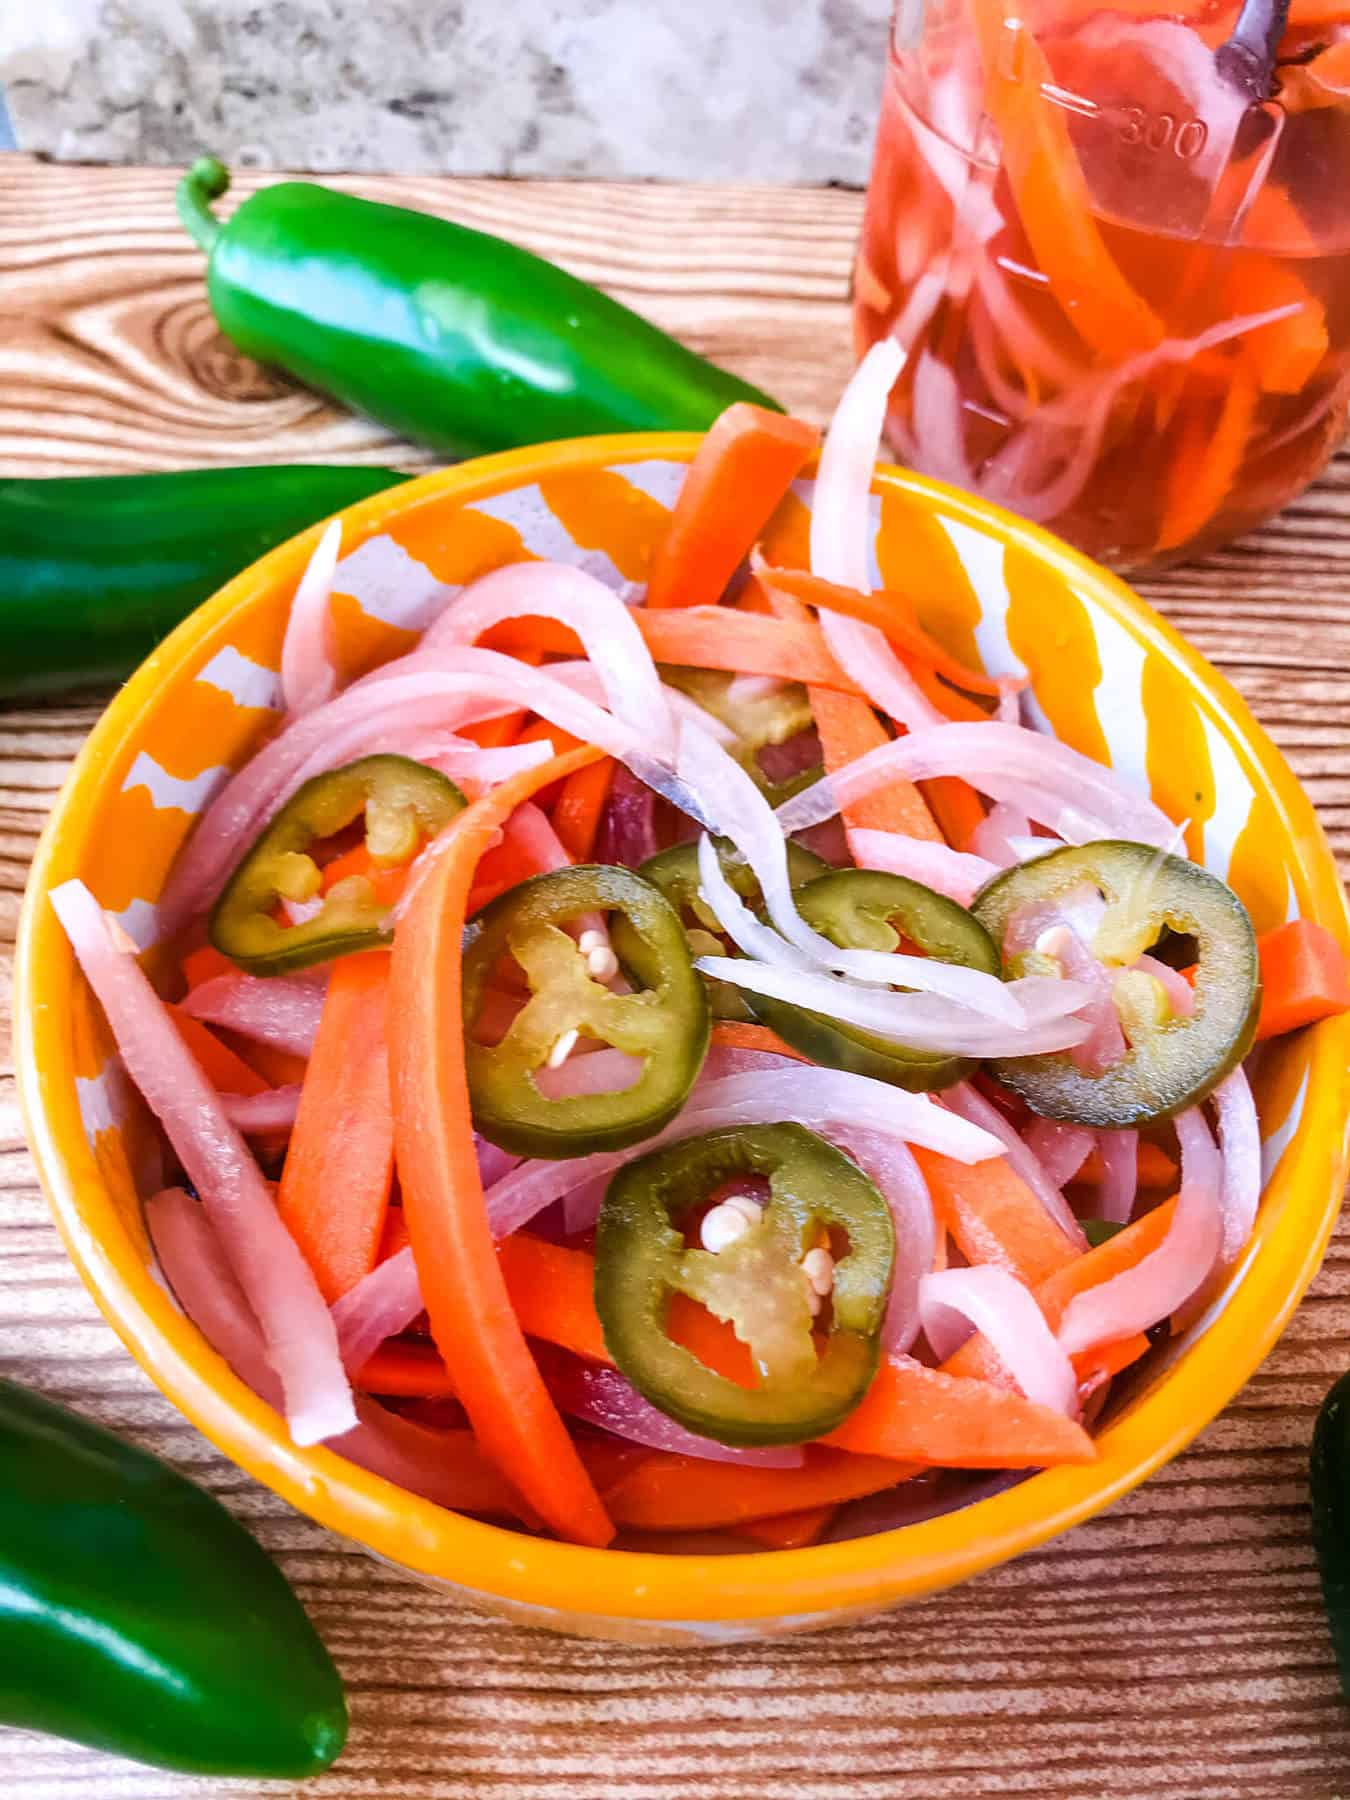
<point x="1115" y="244"/>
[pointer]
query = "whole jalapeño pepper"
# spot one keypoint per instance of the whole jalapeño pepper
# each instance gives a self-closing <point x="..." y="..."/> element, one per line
<point x="137" y="1616"/>
<point x="453" y="338"/>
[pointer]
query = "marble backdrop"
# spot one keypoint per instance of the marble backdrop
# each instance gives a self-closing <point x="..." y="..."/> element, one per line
<point x="715" y="90"/>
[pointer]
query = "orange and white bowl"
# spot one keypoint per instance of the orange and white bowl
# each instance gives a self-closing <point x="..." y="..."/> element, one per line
<point x="1108" y="676"/>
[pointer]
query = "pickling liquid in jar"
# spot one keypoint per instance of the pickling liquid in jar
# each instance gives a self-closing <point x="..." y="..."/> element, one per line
<point x="1122" y="278"/>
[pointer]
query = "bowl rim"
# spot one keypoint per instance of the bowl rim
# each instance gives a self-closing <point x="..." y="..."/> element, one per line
<point x="538" y="1575"/>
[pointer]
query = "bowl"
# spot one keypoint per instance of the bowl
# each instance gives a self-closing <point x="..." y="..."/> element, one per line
<point x="1107" y="675"/>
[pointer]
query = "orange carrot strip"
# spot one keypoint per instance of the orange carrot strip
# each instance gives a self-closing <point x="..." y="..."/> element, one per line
<point x="278" y="1068"/>
<point x="1051" y="193"/>
<point x="891" y="613"/>
<point x="956" y="806"/>
<point x="667" y="1492"/>
<point x="1204" y="467"/>
<point x="922" y="1415"/>
<point x="335" y="1186"/>
<point x="996" y="1218"/>
<point x="711" y="1340"/>
<point x="1305" y="976"/>
<point x="1156" y="1167"/>
<point x="472" y="1320"/>
<point x="552" y="1289"/>
<point x="387" y="884"/>
<point x="741" y="471"/>
<point x="411" y="1371"/>
<point x="580" y="806"/>
<point x="227" y="1073"/>
<point x="731" y="1034"/>
<point x="205" y="964"/>
<point x="790" y="1531"/>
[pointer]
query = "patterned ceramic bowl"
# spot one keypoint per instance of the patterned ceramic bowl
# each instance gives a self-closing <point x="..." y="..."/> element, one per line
<point x="1108" y="676"/>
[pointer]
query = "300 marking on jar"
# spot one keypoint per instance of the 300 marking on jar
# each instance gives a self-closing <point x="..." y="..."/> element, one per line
<point x="1185" y="138"/>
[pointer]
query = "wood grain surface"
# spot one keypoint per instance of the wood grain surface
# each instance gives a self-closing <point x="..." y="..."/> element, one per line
<point x="1173" y="1647"/>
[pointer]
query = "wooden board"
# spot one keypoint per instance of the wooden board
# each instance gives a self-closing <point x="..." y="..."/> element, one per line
<point x="1174" y="1647"/>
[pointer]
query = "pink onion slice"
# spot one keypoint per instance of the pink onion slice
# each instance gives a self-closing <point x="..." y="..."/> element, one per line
<point x="272" y="1110"/>
<point x="275" y="1009"/>
<point x="189" y="1253"/>
<point x="994" y="837"/>
<point x="308" y="675"/>
<point x="1240" y="1142"/>
<point x="841" y="531"/>
<point x="301" y="1341"/>
<point x="612" y="642"/>
<point x="890" y="1165"/>
<point x="1061" y="1150"/>
<point x="938" y="422"/>
<point x="954" y="873"/>
<point x="1057" y="785"/>
<point x="970" y="1104"/>
<point x="606" y="1399"/>
<point x="606" y="1071"/>
<point x="1119" y="1152"/>
<point x="1005" y="1313"/>
<point x="627" y="833"/>
<point x="1045" y="926"/>
<point x="1180" y="993"/>
<point x="982" y="993"/>
<point x="493" y="1161"/>
<point x="919" y="1021"/>
<point x="1167" y="1277"/>
<point x="380" y="1306"/>
<point x="820" y="1098"/>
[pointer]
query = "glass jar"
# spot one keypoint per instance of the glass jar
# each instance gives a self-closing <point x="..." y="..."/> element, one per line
<point x="1115" y="243"/>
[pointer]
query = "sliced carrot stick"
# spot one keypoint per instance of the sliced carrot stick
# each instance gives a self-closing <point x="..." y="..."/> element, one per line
<point x="891" y="613"/>
<point x="227" y="1073"/>
<point x="711" y="1340"/>
<point x="1118" y="1253"/>
<point x="388" y="884"/>
<point x="732" y="1034"/>
<point x="580" y="806"/>
<point x="996" y="1218"/>
<point x="790" y="1531"/>
<point x="552" y="1289"/>
<point x="204" y="964"/>
<point x="666" y="1492"/>
<point x="472" y="1320"/>
<point x="848" y="728"/>
<point x="1204" y="467"/>
<point x="412" y="1371"/>
<point x="956" y="806"/>
<point x="334" y="1191"/>
<point x="921" y="1415"/>
<point x="278" y="1068"/>
<point x="1305" y="976"/>
<point x="1156" y="1168"/>
<point x="742" y="469"/>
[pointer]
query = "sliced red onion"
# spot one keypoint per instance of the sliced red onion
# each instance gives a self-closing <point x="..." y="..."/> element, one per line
<point x="431" y="688"/>
<point x="841" y="533"/>
<point x="627" y="834"/>
<point x="889" y="1163"/>
<point x="583" y="680"/>
<point x="581" y="1208"/>
<point x="606" y="1399"/>
<point x="970" y="1104"/>
<point x="189" y="1253"/>
<point x="1180" y="993"/>
<point x="919" y="1021"/>
<point x="1061" y="1150"/>
<point x="609" y="637"/>
<point x="274" y="1009"/>
<point x="982" y="993"/>
<point x="380" y="1305"/>
<point x="1167" y="1277"/>
<point x="937" y="420"/>
<point x="301" y="1342"/>
<point x="1005" y="1313"/>
<point x="994" y="837"/>
<point x="599" y="1072"/>
<point x="996" y="758"/>
<point x="1046" y="927"/>
<point x="819" y="1098"/>
<point x="1240" y="1142"/>
<point x="1119" y="1151"/>
<point x="272" y="1110"/>
<point x="308" y="675"/>
<point x="951" y="872"/>
<point x="493" y="1161"/>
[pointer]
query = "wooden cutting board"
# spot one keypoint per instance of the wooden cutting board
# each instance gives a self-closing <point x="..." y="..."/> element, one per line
<point x="1174" y="1647"/>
